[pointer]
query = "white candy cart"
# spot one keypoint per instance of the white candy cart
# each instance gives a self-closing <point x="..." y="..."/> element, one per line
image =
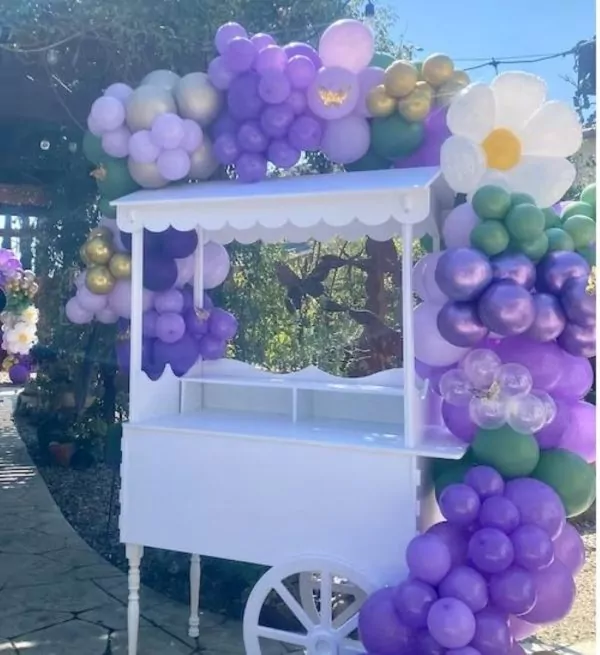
<point x="315" y="476"/>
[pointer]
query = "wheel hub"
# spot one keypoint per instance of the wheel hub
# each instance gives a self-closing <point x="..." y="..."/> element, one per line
<point x="323" y="642"/>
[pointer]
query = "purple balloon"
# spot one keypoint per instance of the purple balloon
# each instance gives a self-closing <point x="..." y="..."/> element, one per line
<point x="219" y="75"/>
<point x="275" y="120"/>
<point x="521" y="629"/>
<point x="192" y="135"/>
<point x="427" y="645"/>
<point x="557" y="268"/>
<point x="273" y="58"/>
<point x="575" y="378"/>
<point x="281" y="154"/>
<point x="381" y="630"/>
<point x="578" y="341"/>
<point x="222" y="325"/>
<point x="569" y="549"/>
<point x="297" y="102"/>
<point x="149" y="323"/>
<point x="107" y="113"/>
<point x="226" y="149"/>
<point x="181" y="355"/>
<point x="506" y="308"/>
<point x="160" y="272"/>
<point x="428" y="153"/>
<point x="179" y="244"/>
<point x="413" y="600"/>
<point x="197" y="326"/>
<point x="297" y="48"/>
<point x="18" y="374"/>
<point x="458" y="421"/>
<point x="274" y="87"/>
<point x="368" y="79"/>
<point x="467" y="585"/>
<point x="459" y="504"/>
<point x="454" y="539"/>
<point x="549" y="320"/>
<point x="240" y="54"/>
<point x="76" y="313"/>
<point x="116" y="142"/>
<point x="216" y="267"/>
<point x="262" y="40"/>
<point x="515" y="267"/>
<point x="492" y="633"/>
<point x="579" y="304"/>
<point x="459" y="324"/>
<point x="251" y="138"/>
<point x="533" y="547"/>
<point x="301" y="71"/>
<point x="169" y="301"/>
<point x="306" y="133"/>
<point x="513" y="591"/>
<point x="225" y="124"/>
<point x="226" y="33"/>
<point x="579" y="436"/>
<point x="467" y="650"/>
<point x="486" y="481"/>
<point x="555" y="593"/>
<point x="91" y="302"/>
<point x="551" y="434"/>
<point x="543" y="360"/>
<point x="142" y="148"/>
<point x="538" y="504"/>
<point x="334" y="93"/>
<point x="499" y="512"/>
<point x="170" y="327"/>
<point x="174" y="165"/>
<point x="451" y="623"/>
<point x="167" y="131"/>
<point x="346" y="140"/>
<point x="212" y="348"/>
<point x="243" y="99"/>
<point x="463" y="273"/>
<point x="251" y="167"/>
<point x="428" y="558"/>
<point x="119" y="91"/>
<point x="490" y="550"/>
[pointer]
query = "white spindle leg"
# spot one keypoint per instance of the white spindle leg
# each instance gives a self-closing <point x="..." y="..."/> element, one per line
<point x="134" y="556"/>
<point x="194" y="623"/>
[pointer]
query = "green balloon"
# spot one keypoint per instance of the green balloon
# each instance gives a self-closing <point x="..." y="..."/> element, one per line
<point x="106" y="209"/>
<point x="91" y="147"/>
<point x="393" y="137"/>
<point x="582" y="230"/>
<point x="578" y="208"/>
<point x="525" y="222"/>
<point x="589" y="254"/>
<point x="521" y="199"/>
<point x="114" y="179"/>
<point x="573" y="479"/>
<point x="453" y="474"/>
<point x="552" y="218"/>
<point x="426" y="243"/>
<point x="370" y="162"/>
<point x="490" y="237"/>
<point x="382" y="60"/>
<point x="491" y="202"/>
<point x="512" y="454"/>
<point x="588" y="195"/>
<point x="535" y="249"/>
<point x="558" y="239"/>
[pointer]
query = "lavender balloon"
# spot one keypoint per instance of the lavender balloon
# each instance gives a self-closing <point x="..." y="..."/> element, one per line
<point x="167" y="131"/>
<point x="240" y="54"/>
<point x="174" y="165"/>
<point x="463" y="273"/>
<point x="116" y="142"/>
<point x="301" y="71"/>
<point x="216" y="265"/>
<point x="467" y="585"/>
<point x="170" y="327"/>
<point x="261" y="41"/>
<point x="274" y="87"/>
<point x="334" y="93"/>
<point x="346" y="140"/>
<point x="226" y="33"/>
<point x="192" y="136"/>
<point x="513" y="591"/>
<point x="107" y="113"/>
<point x="458" y="224"/>
<point x="76" y="313"/>
<point x="451" y="623"/>
<point x="549" y="319"/>
<point x="306" y="133"/>
<point x="368" y="78"/>
<point x="557" y="268"/>
<point x="281" y="154"/>
<point x="459" y="323"/>
<point x="219" y="75"/>
<point x="506" y="308"/>
<point x="119" y="91"/>
<point x="272" y="58"/>
<point x="569" y="549"/>
<point x="413" y="600"/>
<point x="298" y="48"/>
<point x="243" y="98"/>
<point x="428" y="558"/>
<point x="89" y="301"/>
<point x="348" y="43"/>
<point x="580" y="434"/>
<point x="515" y="267"/>
<point x="555" y="594"/>
<point x="169" y="301"/>
<point x="142" y="148"/>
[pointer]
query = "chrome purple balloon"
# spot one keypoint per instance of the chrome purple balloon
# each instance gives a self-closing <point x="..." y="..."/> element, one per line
<point x="578" y="341"/>
<point x="506" y="308"/>
<point x="579" y="302"/>
<point x="459" y="324"/>
<point x="516" y="267"/>
<point x="549" y="320"/>
<point x="463" y="273"/>
<point x="557" y="268"/>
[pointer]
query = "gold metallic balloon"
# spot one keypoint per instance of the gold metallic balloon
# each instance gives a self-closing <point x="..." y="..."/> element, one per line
<point x="145" y="104"/>
<point x="198" y="99"/>
<point x="99" y="280"/>
<point x="379" y="103"/>
<point x="29" y="276"/>
<point x="204" y="163"/>
<point x="120" y="266"/>
<point x="146" y="175"/>
<point x="425" y="88"/>
<point x="102" y="233"/>
<point x="450" y="89"/>
<point x="400" y="78"/>
<point x="416" y="106"/>
<point x="437" y="69"/>
<point x="163" y="79"/>
<point x="98" y="250"/>
<point x="460" y="77"/>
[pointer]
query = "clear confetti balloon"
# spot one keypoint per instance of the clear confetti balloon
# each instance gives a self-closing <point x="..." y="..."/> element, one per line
<point x="481" y="367"/>
<point x="455" y="388"/>
<point x="513" y="380"/>
<point x="549" y="404"/>
<point x="487" y="412"/>
<point x="526" y="414"/>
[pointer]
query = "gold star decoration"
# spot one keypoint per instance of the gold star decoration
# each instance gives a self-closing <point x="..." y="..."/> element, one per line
<point x="333" y="98"/>
<point x="590" y="289"/>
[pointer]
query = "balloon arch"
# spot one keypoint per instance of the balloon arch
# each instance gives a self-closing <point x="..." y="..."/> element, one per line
<point x="506" y="322"/>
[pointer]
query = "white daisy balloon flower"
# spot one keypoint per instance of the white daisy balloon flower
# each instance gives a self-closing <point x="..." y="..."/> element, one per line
<point x="507" y="133"/>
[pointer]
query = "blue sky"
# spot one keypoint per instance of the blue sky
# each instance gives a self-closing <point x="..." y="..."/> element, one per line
<point x="467" y="29"/>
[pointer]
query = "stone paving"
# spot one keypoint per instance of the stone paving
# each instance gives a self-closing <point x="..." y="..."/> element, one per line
<point x="59" y="597"/>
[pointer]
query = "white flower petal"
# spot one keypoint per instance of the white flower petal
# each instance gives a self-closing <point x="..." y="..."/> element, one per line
<point x="518" y="96"/>
<point x="547" y="179"/>
<point x="553" y="131"/>
<point x="462" y="163"/>
<point x="471" y="112"/>
<point x="494" y="177"/>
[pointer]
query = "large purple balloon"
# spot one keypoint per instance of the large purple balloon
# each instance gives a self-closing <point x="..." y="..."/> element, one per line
<point x="226" y="149"/>
<point x="181" y="355"/>
<point x="499" y="512"/>
<point x="212" y="348"/>
<point x="222" y="324"/>
<point x="425" y="644"/>
<point x="142" y="149"/>
<point x="170" y="327"/>
<point x="492" y="633"/>
<point x="549" y="320"/>
<point x="458" y="421"/>
<point x="580" y="434"/>
<point x="435" y="132"/>
<point x="569" y="549"/>
<point x="413" y="600"/>
<point x="513" y="591"/>
<point x="460" y="504"/>
<point x="428" y="558"/>
<point x="521" y="629"/>
<point x="381" y="630"/>
<point x="454" y="538"/>
<point x="575" y="378"/>
<point x="579" y="304"/>
<point x="451" y="623"/>
<point x="506" y="308"/>
<point x="578" y="341"/>
<point x="459" y="323"/>
<point x="465" y="584"/>
<point x="239" y="55"/>
<point x="555" y="594"/>
<point x="557" y="268"/>
<point x="76" y="313"/>
<point x="486" y="481"/>
<point x="243" y="99"/>
<point x="490" y="550"/>
<point x="533" y="547"/>
<point x="516" y="267"/>
<point x="178" y="244"/>
<point x="463" y="273"/>
<point x="538" y="504"/>
<point x="160" y="272"/>
<point x="551" y="434"/>
<point x="543" y="360"/>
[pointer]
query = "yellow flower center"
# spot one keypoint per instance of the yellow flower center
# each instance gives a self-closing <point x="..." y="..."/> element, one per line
<point x="502" y="149"/>
<point x="23" y="338"/>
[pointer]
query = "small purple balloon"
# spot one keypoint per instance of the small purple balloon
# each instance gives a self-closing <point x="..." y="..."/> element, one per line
<point x="272" y="58"/>
<point x="251" y="167"/>
<point x="465" y="584"/>
<point x="549" y="320"/>
<point x="275" y="120"/>
<point x="262" y="40"/>
<point x="413" y="600"/>
<point x="297" y="102"/>
<point x="226" y="33"/>
<point x="240" y="54"/>
<point x="167" y="131"/>
<point x="458" y="421"/>
<point x="297" y="48"/>
<point x="578" y="302"/>
<point x="578" y="341"/>
<point x="459" y="324"/>
<point x="18" y="374"/>
<point x="490" y="550"/>
<point x="243" y="99"/>
<point x="380" y="628"/>
<point x="513" y="591"/>
<point x="192" y="135"/>
<point x="219" y="75"/>
<point x="170" y="327"/>
<point x="116" y="142"/>
<point x="533" y="547"/>
<point x="538" y="504"/>
<point x="569" y="549"/>
<point x="556" y="268"/>
<point x="555" y="594"/>
<point x="463" y="273"/>
<point x="486" y="481"/>
<point x="174" y="165"/>
<point x="454" y="538"/>
<point x="181" y="355"/>
<point x="459" y="504"/>
<point x="274" y="87"/>
<point x="499" y="512"/>
<point x="451" y="623"/>
<point x="90" y="301"/>
<point x="212" y="348"/>
<point x="428" y="558"/>
<point x="516" y="267"/>
<point x="306" y="133"/>
<point x="226" y="149"/>
<point x="142" y="148"/>
<point x="251" y="138"/>
<point x="506" y="308"/>
<point x="301" y="71"/>
<point x="119" y="91"/>
<point x="76" y="313"/>
<point x="492" y="633"/>
<point x="169" y="301"/>
<point x="281" y="154"/>
<point x="222" y="325"/>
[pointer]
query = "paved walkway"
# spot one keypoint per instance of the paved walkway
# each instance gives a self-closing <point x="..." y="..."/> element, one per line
<point x="59" y="597"/>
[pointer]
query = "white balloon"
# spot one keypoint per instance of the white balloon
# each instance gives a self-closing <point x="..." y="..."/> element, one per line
<point x="185" y="270"/>
<point x="457" y="226"/>
<point x="463" y="163"/>
<point x="547" y="179"/>
<point x="553" y="131"/>
<point x="424" y="279"/>
<point x="518" y="96"/>
<point x="472" y="112"/>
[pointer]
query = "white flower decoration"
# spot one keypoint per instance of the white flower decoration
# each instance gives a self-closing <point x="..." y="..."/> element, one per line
<point x="508" y="134"/>
<point x="30" y="315"/>
<point x="19" y="339"/>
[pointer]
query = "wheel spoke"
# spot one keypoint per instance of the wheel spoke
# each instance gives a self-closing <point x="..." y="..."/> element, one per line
<point x="351" y="647"/>
<point x="282" y="635"/>
<point x="326" y="600"/>
<point x="350" y="625"/>
<point x="293" y="605"/>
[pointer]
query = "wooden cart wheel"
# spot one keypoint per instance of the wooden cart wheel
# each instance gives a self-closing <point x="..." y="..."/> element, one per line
<point x="322" y="629"/>
<point x="346" y="593"/>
